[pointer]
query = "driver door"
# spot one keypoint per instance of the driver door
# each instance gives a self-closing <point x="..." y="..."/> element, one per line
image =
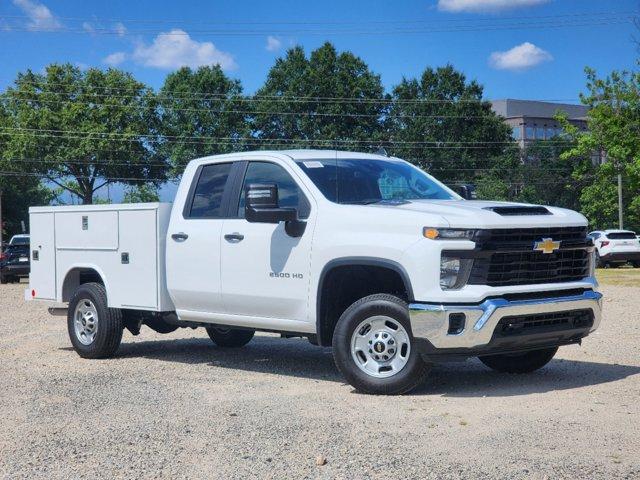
<point x="265" y="272"/>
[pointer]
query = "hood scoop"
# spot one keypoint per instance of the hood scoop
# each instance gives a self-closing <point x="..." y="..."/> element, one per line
<point x="519" y="210"/>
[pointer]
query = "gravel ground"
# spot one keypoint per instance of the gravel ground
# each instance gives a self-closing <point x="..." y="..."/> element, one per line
<point x="175" y="406"/>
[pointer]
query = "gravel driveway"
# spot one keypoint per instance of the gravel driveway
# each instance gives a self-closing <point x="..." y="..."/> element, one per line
<point x="175" y="406"/>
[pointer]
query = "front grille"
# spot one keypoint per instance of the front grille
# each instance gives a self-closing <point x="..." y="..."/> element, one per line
<point x="507" y="257"/>
<point x="544" y="323"/>
<point x="525" y="268"/>
<point x="509" y="238"/>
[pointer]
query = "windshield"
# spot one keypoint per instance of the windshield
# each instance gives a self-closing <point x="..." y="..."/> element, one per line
<point x="372" y="181"/>
<point x="19" y="241"/>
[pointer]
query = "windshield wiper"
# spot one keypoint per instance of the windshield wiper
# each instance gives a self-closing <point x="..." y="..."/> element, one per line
<point x="367" y="201"/>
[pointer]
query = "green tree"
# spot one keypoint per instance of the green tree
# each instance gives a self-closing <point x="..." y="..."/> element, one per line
<point x="329" y="100"/>
<point x="141" y="194"/>
<point x="614" y="129"/>
<point x="202" y="113"/>
<point x="83" y="130"/>
<point x="441" y="123"/>
<point x="18" y="189"/>
<point x="549" y="178"/>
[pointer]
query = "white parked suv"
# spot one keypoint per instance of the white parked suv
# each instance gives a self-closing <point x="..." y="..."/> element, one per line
<point x="616" y="247"/>
<point x="364" y="253"/>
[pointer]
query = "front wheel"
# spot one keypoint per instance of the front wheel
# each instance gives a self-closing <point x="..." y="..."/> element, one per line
<point x="95" y="329"/>
<point x="521" y="362"/>
<point x="373" y="347"/>
<point x="230" y="337"/>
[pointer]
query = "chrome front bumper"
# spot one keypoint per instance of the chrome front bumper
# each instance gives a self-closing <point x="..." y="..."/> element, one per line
<point x="431" y="321"/>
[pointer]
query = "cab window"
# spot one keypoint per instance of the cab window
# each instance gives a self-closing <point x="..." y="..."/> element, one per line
<point x="289" y="194"/>
<point x="208" y="193"/>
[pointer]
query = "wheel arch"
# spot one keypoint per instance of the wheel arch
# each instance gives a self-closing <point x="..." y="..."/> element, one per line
<point x="79" y="274"/>
<point x="324" y="329"/>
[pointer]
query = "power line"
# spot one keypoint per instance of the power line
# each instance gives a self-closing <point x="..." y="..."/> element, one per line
<point x="323" y="22"/>
<point x="257" y="139"/>
<point x="602" y="20"/>
<point x="435" y="145"/>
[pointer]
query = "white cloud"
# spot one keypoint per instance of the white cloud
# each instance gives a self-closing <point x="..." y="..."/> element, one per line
<point x="520" y="57"/>
<point x="87" y="27"/>
<point x="476" y="6"/>
<point x="115" y="58"/>
<point x="273" y="43"/>
<point x="40" y="17"/>
<point x="120" y="29"/>
<point x="175" y="49"/>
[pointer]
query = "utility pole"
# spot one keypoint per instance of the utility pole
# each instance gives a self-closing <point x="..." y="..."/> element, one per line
<point x="620" y="219"/>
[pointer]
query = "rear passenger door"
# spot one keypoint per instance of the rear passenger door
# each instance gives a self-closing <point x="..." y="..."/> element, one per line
<point x="193" y="243"/>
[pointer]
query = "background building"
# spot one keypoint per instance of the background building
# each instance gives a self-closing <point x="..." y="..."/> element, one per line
<point x="532" y="120"/>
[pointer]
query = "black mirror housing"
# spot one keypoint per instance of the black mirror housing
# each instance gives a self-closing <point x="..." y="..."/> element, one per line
<point x="262" y="205"/>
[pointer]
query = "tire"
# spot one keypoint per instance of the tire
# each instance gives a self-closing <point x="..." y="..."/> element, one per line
<point x="599" y="262"/>
<point x="636" y="264"/>
<point x="89" y="303"/>
<point x="230" y="337"/>
<point x="365" y="323"/>
<point x="3" y="279"/>
<point x="520" y="363"/>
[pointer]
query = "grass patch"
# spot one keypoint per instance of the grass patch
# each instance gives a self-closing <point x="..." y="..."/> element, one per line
<point x="624" y="276"/>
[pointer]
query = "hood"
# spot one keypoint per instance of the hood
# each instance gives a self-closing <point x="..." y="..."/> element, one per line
<point x="481" y="214"/>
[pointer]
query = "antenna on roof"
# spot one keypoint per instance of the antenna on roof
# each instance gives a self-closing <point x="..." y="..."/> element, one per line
<point x="381" y="151"/>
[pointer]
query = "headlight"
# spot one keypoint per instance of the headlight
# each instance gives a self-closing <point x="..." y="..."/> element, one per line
<point x="454" y="272"/>
<point x="448" y="233"/>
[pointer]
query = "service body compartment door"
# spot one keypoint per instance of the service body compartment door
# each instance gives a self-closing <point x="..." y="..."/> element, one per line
<point x="42" y="278"/>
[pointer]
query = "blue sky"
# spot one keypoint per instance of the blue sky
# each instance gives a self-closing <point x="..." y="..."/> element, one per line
<point x="529" y="49"/>
<point x="476" y="36"/>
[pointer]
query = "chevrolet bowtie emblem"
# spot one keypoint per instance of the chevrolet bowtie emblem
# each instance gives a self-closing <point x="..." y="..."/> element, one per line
<point x="546" y="245"/>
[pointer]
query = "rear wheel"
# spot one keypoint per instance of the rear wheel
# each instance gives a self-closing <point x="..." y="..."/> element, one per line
<point x="372" y="347"/>
<point x="636" y="264"/>
<point x="520" y="362"/>
<point x="230" y="337"/>
<point x="3" y="279"/>
<point x="95" y="329"/>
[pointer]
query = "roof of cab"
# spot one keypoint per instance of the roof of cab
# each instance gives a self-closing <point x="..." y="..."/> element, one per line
<point x="305" y="154"/>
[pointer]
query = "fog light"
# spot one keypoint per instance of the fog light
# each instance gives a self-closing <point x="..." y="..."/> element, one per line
<point x="454" y="272"/>
<point x="456" y="323"/>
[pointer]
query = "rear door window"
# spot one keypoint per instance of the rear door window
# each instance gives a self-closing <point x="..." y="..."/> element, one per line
<point x="209" y="191"/>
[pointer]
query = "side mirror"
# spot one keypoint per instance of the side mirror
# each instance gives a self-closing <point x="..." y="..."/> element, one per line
<point x="467" y="191"/>
<point x="262" y="206"/>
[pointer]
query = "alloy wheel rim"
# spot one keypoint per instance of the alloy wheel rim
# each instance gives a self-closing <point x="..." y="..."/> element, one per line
<point x="85" y="321"/>
<point x="380" y="346"/>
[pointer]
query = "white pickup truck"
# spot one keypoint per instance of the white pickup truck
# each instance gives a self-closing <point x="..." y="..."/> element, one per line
<point x="361" y="252"/>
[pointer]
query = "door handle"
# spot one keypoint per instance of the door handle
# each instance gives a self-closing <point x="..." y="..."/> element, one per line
<point x="179" y="237"/>
<point x="234" y="237"/>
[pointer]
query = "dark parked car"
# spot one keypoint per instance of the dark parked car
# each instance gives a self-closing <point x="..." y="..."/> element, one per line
<point x="14" y="263"/>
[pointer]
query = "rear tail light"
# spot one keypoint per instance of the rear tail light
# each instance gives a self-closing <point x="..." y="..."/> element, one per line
<point x="3" y="256"/>
<point x="604" y="243"/>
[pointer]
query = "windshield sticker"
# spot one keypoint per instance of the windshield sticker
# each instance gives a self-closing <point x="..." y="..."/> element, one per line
<point x="313" y="164"/>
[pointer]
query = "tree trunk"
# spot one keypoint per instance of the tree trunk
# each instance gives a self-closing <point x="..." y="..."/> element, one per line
<point x="87" y="197"/>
